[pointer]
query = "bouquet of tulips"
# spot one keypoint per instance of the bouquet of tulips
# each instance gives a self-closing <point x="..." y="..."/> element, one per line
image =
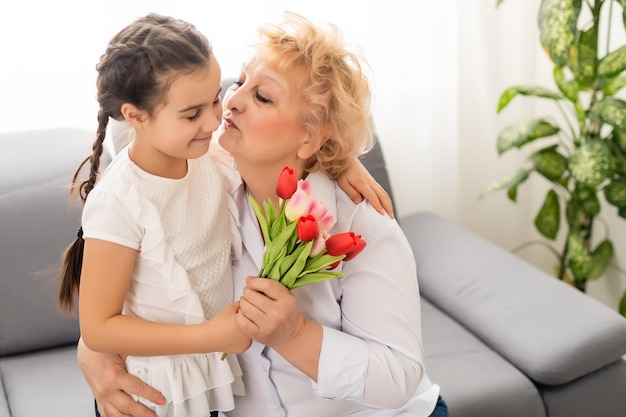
<point x="298" y="248"/>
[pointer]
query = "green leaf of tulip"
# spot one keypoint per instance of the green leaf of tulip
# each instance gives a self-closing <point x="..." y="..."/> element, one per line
<point x="289" y="278"/>
<point x="261" y="218"/>
<point x="548" y="219"/>
<point x="316" y="277"/>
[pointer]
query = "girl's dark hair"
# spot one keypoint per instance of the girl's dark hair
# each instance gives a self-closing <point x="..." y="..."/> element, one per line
<point x="137" y="68"/>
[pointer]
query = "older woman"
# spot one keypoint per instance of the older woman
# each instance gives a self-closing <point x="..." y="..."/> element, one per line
<point x="349" y="346"/>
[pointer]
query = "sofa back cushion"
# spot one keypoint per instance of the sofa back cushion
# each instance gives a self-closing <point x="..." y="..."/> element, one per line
<point x="37" y="222"/>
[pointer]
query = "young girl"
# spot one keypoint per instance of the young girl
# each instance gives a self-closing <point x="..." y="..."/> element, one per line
<point x="153" y="255"/>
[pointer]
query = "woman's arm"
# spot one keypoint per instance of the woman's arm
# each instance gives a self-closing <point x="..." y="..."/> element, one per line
<point x="358" y="183"/>
<point x="106" y="274"/>
<point x="112" y="385"/>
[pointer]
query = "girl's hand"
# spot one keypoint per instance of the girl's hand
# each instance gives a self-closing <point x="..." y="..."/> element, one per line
<point x="230" y="337"/>
<point x="268" y="313"/>
<point x="111" y="384"/>
<point x="358" y="183"/>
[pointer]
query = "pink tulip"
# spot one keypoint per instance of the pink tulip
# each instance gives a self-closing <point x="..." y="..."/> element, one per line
<point x="297" y="206"/>
<point x="324" y="218"/>
<point x="320" y="244"/>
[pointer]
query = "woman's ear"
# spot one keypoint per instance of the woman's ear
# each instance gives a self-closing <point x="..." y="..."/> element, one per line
<point x="133" y="115"/>
<point x="311" y="145"/>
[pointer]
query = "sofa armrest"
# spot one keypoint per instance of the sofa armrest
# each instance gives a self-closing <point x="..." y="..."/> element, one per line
<point x="546" y="328"/>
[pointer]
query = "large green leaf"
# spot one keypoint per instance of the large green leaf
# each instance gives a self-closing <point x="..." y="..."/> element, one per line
<point x="548" y="219"/>
<point x="572" y="214"/>
<point x="592" y="163"/>
<point x="525" y="90"/>
<point x="558" y="28"/>
<point x="584" y="57"/>
<point x="611" y="111"/>
<point x="613" y="85"/>
<point x="549" y="163"/>
<point x="524" y="132"/>
<point x="580" y="262"/>
<point x="510" y="181"/>
<point x="615" y="192"/>
<point x="600" y="259"/>
<point x="588" y="199"/>
<point x="569" y="88"/>
<point x="619" y="138"/>
<point x="614" y="63"/>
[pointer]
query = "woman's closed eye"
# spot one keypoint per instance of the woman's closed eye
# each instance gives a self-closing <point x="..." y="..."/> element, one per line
<point x="195" y="116"/>
<point x="262" y="99"/>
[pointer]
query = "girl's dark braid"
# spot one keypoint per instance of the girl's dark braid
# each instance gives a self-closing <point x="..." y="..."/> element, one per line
<point x="136" y="68"/>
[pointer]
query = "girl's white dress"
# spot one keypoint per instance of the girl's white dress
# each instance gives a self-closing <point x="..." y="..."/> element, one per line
<point x="185" y="232"/>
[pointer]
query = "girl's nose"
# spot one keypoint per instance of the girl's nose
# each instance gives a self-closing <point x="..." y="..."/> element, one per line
<point x="213" y="119"/>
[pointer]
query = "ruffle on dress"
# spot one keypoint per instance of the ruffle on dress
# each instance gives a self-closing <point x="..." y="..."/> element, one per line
<point x="226" y="165"/>
<point x="192" y="384"/>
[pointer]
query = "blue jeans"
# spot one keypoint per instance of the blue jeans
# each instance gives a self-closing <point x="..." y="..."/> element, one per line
<point x="441" y="409"/>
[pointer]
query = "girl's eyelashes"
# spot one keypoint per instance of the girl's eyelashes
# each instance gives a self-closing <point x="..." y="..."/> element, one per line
<point x="195" y="116"/>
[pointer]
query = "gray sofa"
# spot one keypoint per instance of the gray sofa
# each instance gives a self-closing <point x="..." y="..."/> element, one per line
<point x="502" y="338"/>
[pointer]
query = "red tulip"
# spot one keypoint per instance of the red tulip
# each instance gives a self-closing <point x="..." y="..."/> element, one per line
<point x="349" y="244"/>
<point x="308" y="229"/>
<point x="287" y="183"/>
<point x="358" y="247"/>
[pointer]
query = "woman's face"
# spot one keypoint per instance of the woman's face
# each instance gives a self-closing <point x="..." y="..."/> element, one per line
<point x="262" y="122"/>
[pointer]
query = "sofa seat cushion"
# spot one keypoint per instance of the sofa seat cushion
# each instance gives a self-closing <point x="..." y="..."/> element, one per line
<point x="603" y="390"/>
<point x="475" y="381"/>
<point x="47" y="383"/>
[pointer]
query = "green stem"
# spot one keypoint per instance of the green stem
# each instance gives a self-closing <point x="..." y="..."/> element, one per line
<point x="536" y="242"/>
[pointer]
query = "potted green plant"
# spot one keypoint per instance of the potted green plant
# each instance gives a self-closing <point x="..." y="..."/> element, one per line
<point x="582" y="154"/>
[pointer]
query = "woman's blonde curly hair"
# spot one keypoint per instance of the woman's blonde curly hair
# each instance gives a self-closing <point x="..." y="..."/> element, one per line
<point x="332" y="84"/>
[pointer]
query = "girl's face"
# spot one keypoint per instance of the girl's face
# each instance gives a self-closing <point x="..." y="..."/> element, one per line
<point x="262" y="121"/>
<point x="182" y="126"/>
